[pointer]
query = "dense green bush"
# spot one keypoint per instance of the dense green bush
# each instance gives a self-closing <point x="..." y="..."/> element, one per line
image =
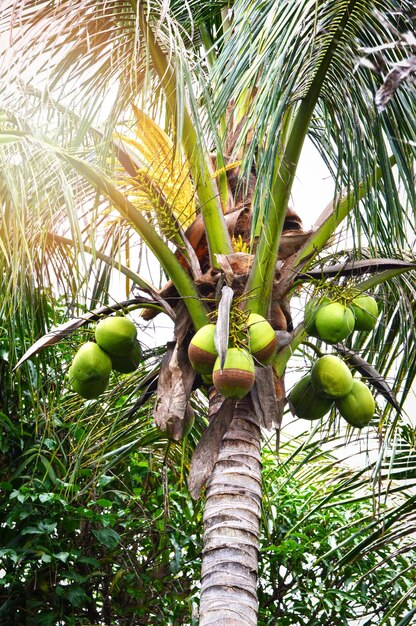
<point x="91" y="531"/>
<point x="116" y="555"/>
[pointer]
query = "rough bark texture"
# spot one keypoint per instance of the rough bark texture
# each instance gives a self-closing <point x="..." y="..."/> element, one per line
<point x="206" y="453"/>
<point x="232" y="526"/>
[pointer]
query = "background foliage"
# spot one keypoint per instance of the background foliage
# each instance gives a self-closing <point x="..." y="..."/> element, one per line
<point x="92" y="533"/>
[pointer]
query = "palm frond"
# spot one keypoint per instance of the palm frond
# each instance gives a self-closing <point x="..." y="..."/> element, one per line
<point x="30" y="156"/>
<point x="165" y="167"/>
<point x="311" y="484"/>
<point x="320" y="74"/>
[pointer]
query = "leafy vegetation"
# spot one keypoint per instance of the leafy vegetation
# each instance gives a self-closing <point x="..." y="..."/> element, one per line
<point x="91" y="533"/>
<point x="95" y="534"/>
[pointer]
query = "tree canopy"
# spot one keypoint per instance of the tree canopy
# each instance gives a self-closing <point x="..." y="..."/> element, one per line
<point x="147" y="156"/>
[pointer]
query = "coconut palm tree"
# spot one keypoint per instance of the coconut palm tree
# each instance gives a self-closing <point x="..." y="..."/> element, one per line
<point x="177" y="129"/>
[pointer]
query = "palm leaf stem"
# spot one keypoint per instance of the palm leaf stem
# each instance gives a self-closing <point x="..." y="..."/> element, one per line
<point x="62" y="331"/>
<point x="382" y="268"/>
<point x="220" y="163"/>
<point x="407" y="619"/>
<point x="211" y="60"/>
<point x="287" y="122"/>
<point x="262" y="274"/>
<point x="174" y="229"/>
<point x="377" y="279"/>
<point x="283" y="356"/>
<point x="208" y="44"/>
<point x="218" y="238"/>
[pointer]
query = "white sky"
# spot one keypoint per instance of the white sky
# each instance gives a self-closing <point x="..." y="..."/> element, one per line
<point x="313" y="187"/>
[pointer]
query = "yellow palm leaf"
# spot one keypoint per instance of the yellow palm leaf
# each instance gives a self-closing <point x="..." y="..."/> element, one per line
<point x="165" y="166"/>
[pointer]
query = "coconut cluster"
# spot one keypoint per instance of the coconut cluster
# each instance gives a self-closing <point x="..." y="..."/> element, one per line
<point x="334" y="321"/>
<point x="115" y="348"/>
<point x="330" y="383"/>
<point x="236" y="377"/>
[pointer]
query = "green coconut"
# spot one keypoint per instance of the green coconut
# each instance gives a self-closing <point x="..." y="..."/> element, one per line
<point x="262" y="339"/>
<point x="202" y="352"/>
<point x="129" y="362"/>
<point x="305" y="403"/>
<point x="334" y="322"/>
<point x="88" y="389"/>
<point x="311" y="309"/>
<point x="91" y="363"/>
<point x="237" y="376"/>
<point x="358" y="406"/>
<point x="365" y="311"/>
<point x="116" y="335"/>
<point x="331" y="377"/>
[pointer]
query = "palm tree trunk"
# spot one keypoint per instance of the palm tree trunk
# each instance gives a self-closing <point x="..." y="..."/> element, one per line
<point x="232" y="526"/>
